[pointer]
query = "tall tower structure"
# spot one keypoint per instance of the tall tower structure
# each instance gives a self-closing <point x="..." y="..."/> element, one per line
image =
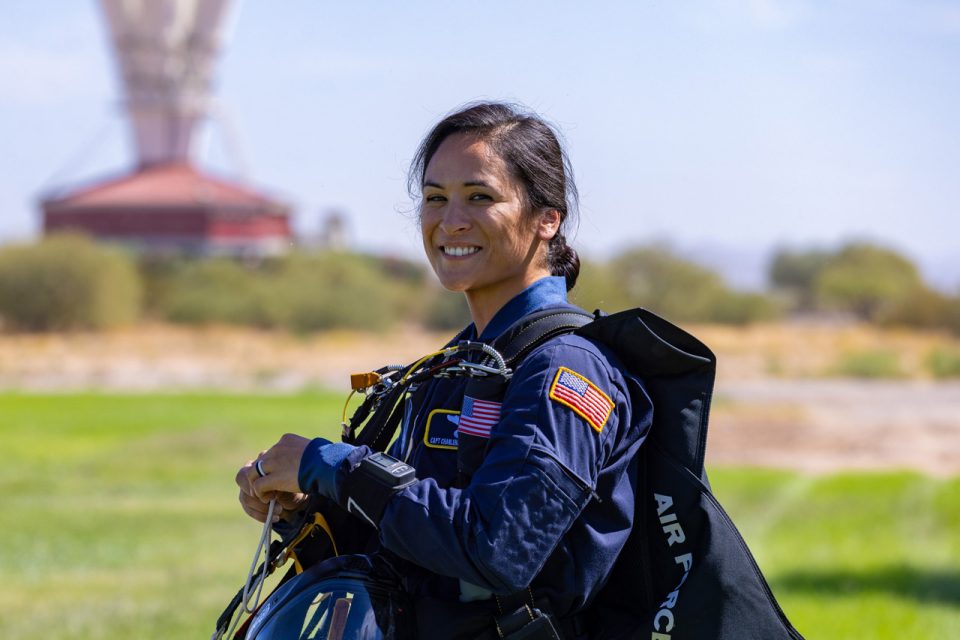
<point x="166" y="51"/>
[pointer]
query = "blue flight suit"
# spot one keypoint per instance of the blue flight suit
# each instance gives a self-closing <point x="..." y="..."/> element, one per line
<point x="552" y="503"/>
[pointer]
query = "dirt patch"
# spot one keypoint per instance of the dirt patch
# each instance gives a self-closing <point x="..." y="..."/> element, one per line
<point x="173" y="358"/>
<point x="826" y="425"/>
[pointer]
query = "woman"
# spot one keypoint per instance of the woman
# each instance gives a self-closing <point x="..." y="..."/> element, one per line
<point x="551" y="505"/>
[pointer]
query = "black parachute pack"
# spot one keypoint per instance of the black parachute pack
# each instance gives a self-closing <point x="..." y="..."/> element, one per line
<point x="686" y="572"/>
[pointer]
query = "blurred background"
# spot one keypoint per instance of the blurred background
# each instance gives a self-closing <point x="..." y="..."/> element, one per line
<point x="205" y="227"/>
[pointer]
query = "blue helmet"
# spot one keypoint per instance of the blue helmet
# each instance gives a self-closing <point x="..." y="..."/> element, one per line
<point x="343" y="598"/>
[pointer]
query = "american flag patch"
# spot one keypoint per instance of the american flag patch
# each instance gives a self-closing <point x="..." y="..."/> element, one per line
<point x="477" y="417"/>
<point x="573" y="390"/>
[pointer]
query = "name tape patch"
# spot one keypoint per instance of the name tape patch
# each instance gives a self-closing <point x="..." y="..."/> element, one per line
<point x="441" y="430"/>
<point x="573" y="390"/>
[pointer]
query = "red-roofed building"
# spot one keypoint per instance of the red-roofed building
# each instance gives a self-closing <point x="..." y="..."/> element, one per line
<point x="165" y="51"/>
<point x="174" y="207"/>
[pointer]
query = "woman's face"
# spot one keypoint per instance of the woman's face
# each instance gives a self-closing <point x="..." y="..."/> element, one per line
<point x="474" y="229"/>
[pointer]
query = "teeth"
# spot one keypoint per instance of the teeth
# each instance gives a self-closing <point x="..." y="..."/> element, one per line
<point x="460" y="251"/>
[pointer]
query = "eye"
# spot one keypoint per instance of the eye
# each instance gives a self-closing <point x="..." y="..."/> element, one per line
<point x="480" y="196"/>
<point x="435" y="197"/>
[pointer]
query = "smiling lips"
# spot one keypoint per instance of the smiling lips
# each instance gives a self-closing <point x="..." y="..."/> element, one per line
<point x="459" y="252"/>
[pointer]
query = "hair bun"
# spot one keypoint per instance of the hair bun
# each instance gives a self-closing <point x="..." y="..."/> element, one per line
<point x="564" y="261"/>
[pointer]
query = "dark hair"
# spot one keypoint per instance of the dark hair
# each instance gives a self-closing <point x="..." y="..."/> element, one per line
<point x="533" y="154"/>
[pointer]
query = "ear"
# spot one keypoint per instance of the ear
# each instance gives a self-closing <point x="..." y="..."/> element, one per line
<point x="548" y="224"/>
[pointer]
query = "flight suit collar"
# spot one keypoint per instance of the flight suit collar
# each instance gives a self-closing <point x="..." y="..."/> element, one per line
<point x="550" y="291"/>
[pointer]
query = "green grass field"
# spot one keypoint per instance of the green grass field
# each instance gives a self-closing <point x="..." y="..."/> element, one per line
<point x="118" y="519"/>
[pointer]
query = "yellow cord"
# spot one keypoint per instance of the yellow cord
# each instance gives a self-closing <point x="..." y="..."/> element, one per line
<point x="411" y="369"/>
<point x="416" y="365"/>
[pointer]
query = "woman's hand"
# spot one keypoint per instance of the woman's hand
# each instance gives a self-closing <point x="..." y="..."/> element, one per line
<point x="288" y="504"/>
<point x="280" y="466"/>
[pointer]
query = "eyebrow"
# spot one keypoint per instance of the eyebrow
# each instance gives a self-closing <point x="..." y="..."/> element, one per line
<point x="471" y="183"/>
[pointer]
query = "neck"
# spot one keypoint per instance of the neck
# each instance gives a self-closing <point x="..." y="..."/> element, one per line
<point x="484" y="303"/>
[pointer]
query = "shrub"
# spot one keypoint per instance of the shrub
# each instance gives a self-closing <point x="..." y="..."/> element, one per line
<point x="331" y="289"/>
<point x="871" y="363"/>
<point x="653" y="277"/>
<point x="951" y="319"/>
<point x="67" y="282"/>
<point x="300" y="292"/>
<point x="410" y="290"/>
<point x="214" y="291"/>
<point x="681" y="290"/>
<point x="944" y="362"/>
<point x="737" y="308"/>
<point x="597" y="288"/>
<point x="447" y="311"/>
<point x="918" y="307"/>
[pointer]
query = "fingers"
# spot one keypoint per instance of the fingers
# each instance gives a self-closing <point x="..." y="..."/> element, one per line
<point x="269" y="486"/>
<point x="292" y="501"/>
<point x="280" y="465"/>
<point x="252" y="504"/>
<point x="247" y="474"/>
<point x="257" y="509"/>
<point x="243" y="478"/>
<point x="273" y="475"/>
<point x="287" y="505"/>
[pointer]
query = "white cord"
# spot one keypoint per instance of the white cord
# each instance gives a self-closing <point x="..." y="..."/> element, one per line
<point x="493" y="353"/>
<point x="263" y="547"/>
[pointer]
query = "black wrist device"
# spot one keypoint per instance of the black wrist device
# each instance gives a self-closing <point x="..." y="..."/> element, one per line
<point x="387" y="469"/>
<point x="369" y="486"/>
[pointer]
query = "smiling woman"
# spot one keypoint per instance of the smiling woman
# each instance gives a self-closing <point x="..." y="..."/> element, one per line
<point x="509" y="494"/>
<point x="477" y="233"/>
<point x="493" y="172"/>
<point x="523" y="498"/>
<point x="481" y="233"/>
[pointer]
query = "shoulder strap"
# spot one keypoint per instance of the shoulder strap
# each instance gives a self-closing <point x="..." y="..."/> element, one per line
<point x="678" y="374"/>
<point x="535" y="329"/>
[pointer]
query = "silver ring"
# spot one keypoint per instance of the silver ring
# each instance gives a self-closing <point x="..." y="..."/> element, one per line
<point x="259" y="467"/>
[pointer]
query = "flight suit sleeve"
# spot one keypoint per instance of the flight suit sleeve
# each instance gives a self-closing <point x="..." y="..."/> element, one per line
<point x="557" y="420"/>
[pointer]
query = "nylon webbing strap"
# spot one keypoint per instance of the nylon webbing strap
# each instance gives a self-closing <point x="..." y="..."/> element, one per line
<point x="319" y="522"/>
<point x="517" y="341"/>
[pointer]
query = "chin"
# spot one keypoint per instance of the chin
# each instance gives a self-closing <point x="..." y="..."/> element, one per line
<point x="454" y="285"/>
<point x="453" y="281"/>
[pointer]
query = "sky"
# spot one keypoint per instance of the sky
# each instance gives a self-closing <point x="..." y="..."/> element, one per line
<point x="723" y="128"/>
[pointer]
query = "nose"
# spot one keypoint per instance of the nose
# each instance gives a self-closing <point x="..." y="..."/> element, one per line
<point x="455" y="219"/>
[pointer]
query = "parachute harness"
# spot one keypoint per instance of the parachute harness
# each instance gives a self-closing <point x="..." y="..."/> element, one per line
<point x="387" y="388"/>
<point x="385" y="391"/>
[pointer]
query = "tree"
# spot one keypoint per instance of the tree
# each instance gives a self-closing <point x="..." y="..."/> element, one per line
<point x="655" y="278"/>
<point x="866" y="280"/>
<point x="795" y="272"/>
